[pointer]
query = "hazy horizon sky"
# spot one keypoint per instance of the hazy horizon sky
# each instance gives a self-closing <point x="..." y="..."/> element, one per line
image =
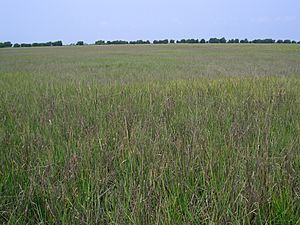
<point x="90" y="20"/>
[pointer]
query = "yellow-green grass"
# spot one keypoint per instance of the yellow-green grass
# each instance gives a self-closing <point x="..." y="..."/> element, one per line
<point x="178" y="134"/>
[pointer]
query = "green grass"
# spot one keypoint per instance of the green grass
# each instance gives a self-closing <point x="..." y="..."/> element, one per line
<point x="179" y="134"/>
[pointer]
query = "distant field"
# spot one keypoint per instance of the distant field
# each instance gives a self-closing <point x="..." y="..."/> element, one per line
<point x="126" y="64"/>
<point x="164" y="134"/>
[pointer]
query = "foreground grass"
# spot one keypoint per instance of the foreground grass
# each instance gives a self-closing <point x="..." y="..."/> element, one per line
<point x="223" y="150"/>
<point x="198" y="151"/>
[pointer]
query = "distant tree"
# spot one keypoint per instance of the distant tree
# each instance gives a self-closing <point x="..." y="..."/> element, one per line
<point x="140" y="42"/>
<point x="16" y="45"/>
<point x="263" y="41"/>
<point x="172" y="41"/>
<point x="25" y="45"/>
<point x="6" y="44"/>
<point x="202" y="41"/>
<point x="287" y="41"/>
<point x="80" y="43"/>
<point x="189" y="41"/>
<point x="117" y="42"/>
<point x="166" y="41"/>
<point x="244" y="41"/>
<point x="279" y="41"/>
<point x="294" y="42"/>
<point x="222" y="40"/>
<point x="235" y="41"/>
<point x="100" y="42"/>
<point x="182" y="41"/>
<point x="298" y="42"/>
<point x="193" y="41"/>
<point x="56" y="43"/>
<point x="214" y="40"/>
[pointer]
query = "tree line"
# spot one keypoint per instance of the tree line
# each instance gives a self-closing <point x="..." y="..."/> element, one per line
<point x="200" y="41"/>
<point x="193" y="41"/>
<point x="222" y="40"/>
<point x="8" y="44"/>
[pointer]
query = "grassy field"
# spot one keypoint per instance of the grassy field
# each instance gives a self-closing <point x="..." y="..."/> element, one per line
<point x="171" y="134"/>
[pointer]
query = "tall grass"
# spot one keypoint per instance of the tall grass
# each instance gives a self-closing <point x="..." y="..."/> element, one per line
<point x="165" y="151"/>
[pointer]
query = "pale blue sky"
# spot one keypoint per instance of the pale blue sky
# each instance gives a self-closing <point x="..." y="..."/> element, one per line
<point x="90" y="20"/>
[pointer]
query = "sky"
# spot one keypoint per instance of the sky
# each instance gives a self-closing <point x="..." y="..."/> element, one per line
<point x="91" y="20"/>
